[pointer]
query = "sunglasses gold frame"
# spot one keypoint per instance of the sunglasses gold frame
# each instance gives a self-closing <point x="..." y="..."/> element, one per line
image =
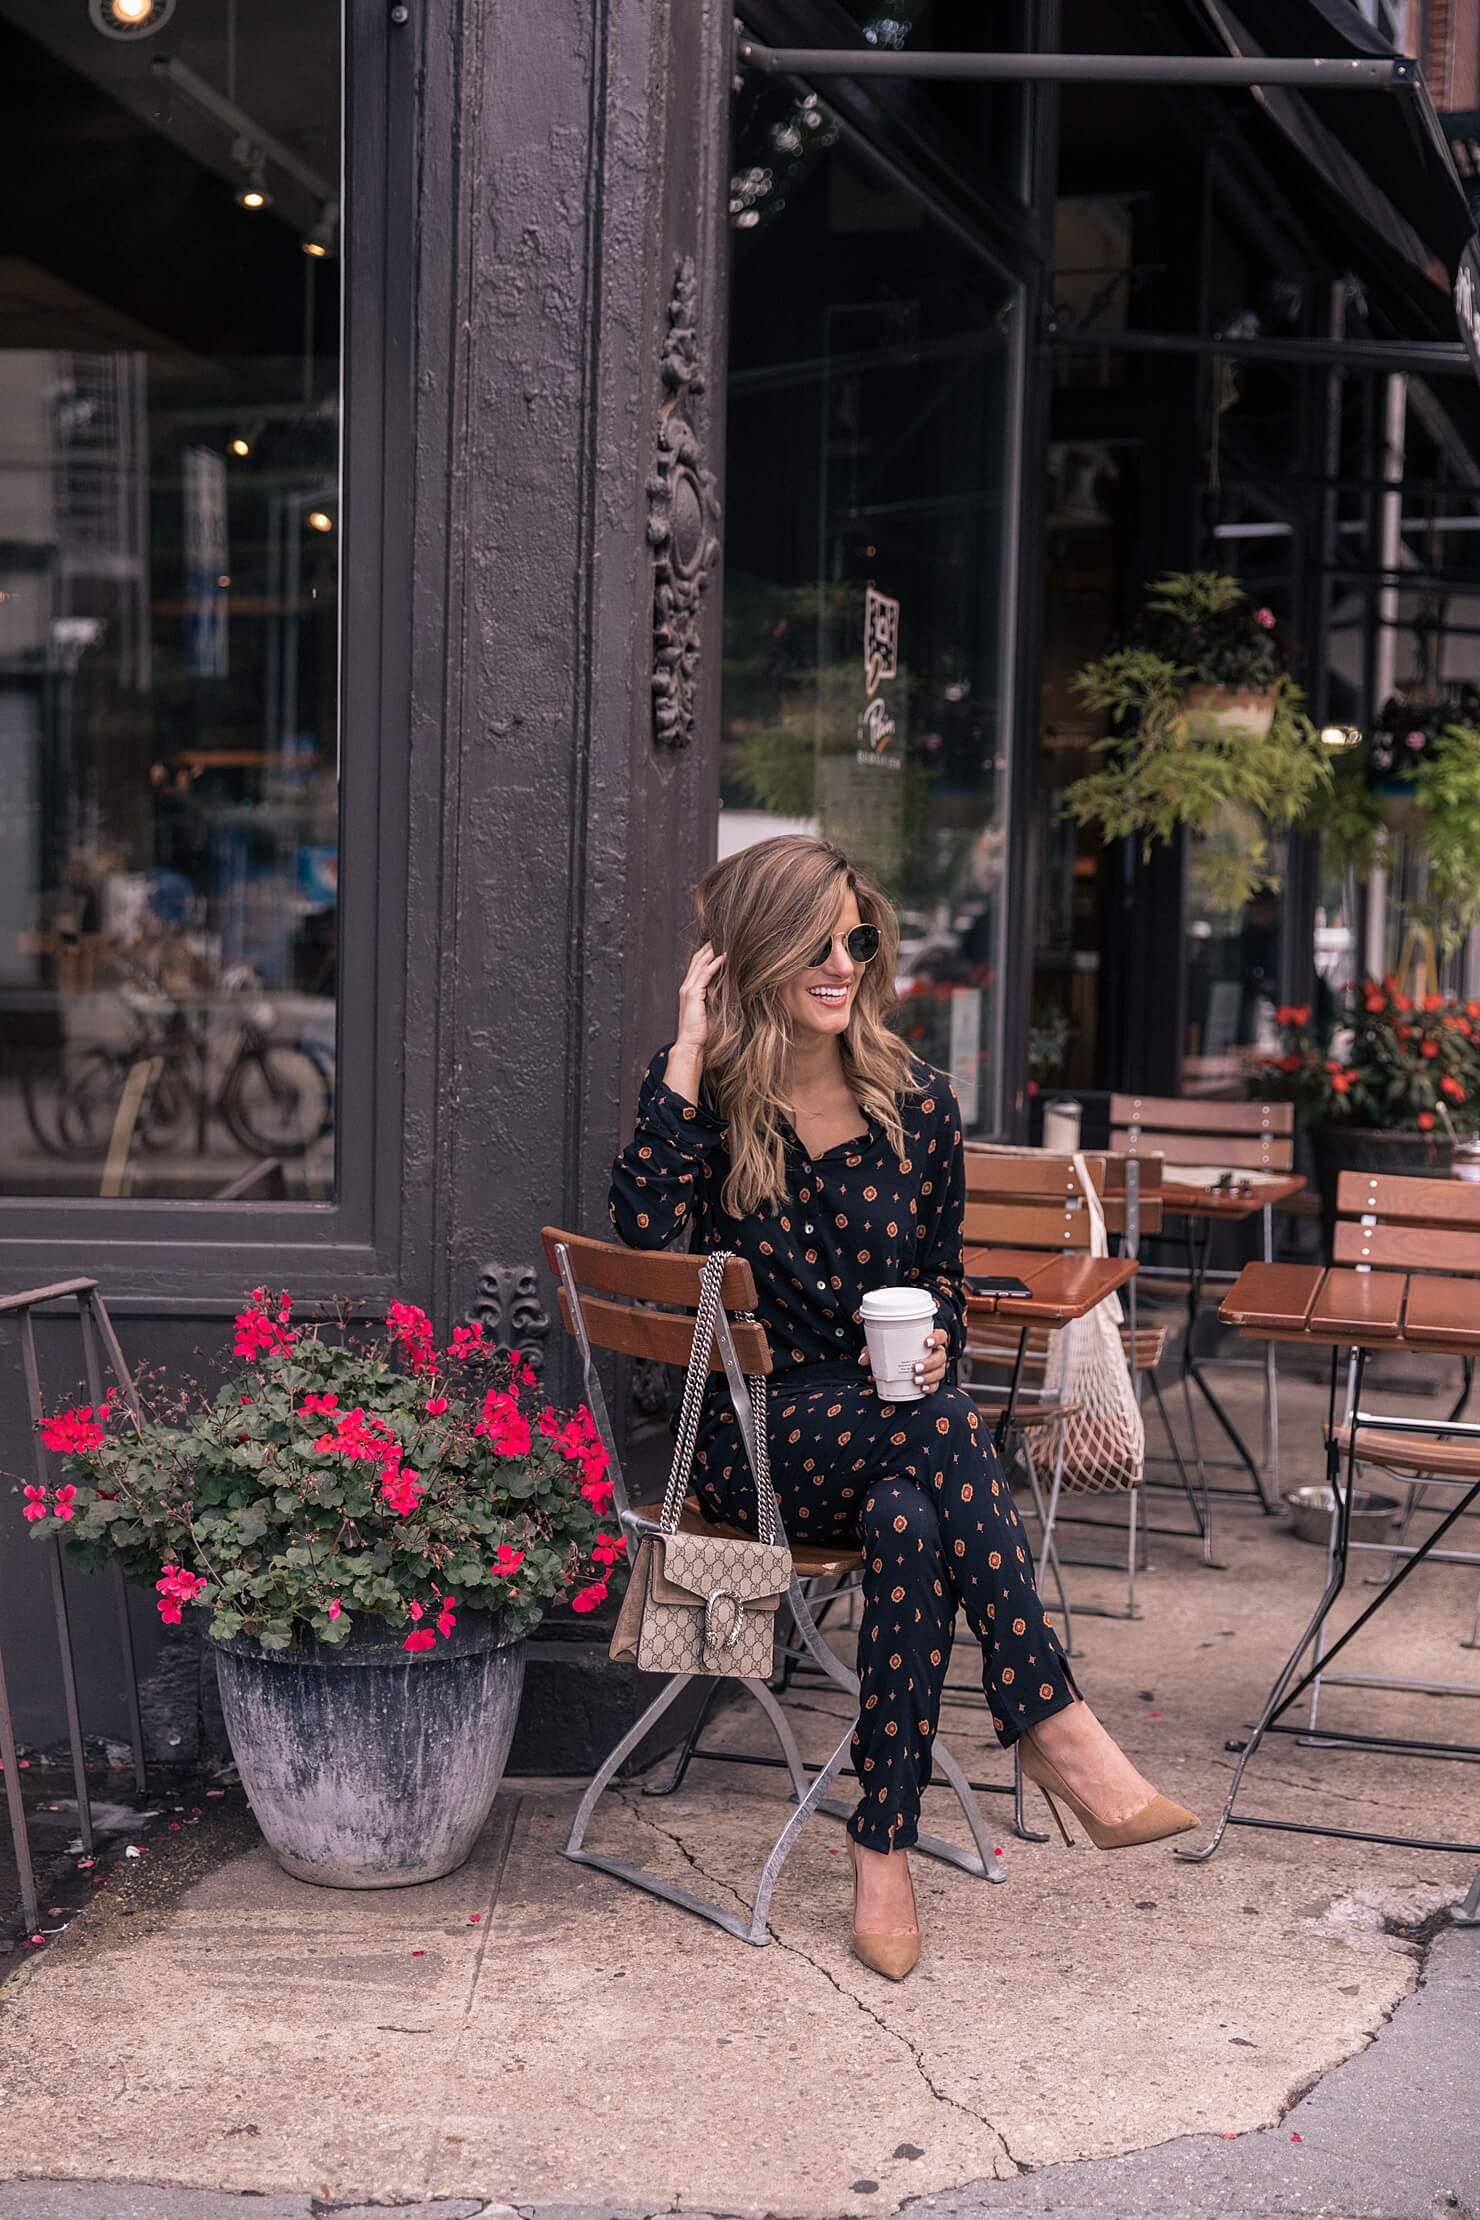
<point x="869" y="933"/>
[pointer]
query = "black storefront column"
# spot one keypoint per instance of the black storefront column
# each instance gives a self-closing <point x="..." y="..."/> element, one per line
<point x="570" y="353"/>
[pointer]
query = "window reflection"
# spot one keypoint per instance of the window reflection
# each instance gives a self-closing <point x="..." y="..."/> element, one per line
<point x="169" y="514"/>
<point x="866" y="513"/>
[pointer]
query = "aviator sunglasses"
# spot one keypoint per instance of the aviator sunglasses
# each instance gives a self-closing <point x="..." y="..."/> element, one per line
<point x="862" y="945"/>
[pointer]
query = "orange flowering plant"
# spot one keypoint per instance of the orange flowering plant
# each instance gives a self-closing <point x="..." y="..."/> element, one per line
<point x="328" y="1478"/>
<point x="1387" y="1059"/>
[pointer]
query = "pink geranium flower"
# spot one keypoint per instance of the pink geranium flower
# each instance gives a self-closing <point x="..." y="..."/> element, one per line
<point x="588" y="1599"/>
<point x="177" y="1588"/>
<point x="318" y="1406"/>
<point x="35" y="1504"/>
<point x="423" y="1639"/>
<point x="467" y="1341"/>
<point x="62" y="1506"/>
<point x="507" y="1561"/>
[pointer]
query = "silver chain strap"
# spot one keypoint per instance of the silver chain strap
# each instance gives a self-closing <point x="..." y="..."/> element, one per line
<point x="711" y="1281"/>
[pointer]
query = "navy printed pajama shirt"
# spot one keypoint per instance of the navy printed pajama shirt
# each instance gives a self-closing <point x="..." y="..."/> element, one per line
<point x="916" y="1486"/>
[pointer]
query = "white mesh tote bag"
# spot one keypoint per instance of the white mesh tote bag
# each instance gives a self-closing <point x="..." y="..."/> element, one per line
<point x="1104" y="1439"/>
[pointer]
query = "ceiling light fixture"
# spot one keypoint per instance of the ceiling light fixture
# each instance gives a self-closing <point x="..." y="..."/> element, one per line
<point x="319" y="520"/>
<point x="321" y="241"/>
<point x="240" y="446"/>
<point x="130" y="19"/>
<point x="254" y="150"/>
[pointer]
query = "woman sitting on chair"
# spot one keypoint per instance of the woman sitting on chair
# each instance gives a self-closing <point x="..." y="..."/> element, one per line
<point x="786" y="1122"/>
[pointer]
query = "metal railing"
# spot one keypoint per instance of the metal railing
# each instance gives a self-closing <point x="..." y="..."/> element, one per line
<point x="99" y="1346"/>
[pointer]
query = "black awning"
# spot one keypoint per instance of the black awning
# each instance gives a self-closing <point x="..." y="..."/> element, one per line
<point x="1387" y="158"/>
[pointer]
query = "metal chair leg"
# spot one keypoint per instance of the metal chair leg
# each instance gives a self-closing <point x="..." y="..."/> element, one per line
<point x="685" y="1754"/>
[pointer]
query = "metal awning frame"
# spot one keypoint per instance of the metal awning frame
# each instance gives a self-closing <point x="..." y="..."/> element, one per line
<point x="1397" y="73"/>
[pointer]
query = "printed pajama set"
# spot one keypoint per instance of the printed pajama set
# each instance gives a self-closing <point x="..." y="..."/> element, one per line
<point x="916" y="1486"/>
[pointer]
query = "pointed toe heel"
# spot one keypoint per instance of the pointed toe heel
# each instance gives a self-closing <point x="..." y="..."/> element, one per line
<point x="1157" y="1819"/>
<point x="894" y="1956"/>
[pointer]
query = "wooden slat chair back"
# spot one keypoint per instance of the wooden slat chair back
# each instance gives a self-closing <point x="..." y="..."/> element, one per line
<point x="1407" y="1225"/>
<point x="1241" y="1136"/>
<point x="1037" y="1179"/>
<point x="619" y="1291"/>
<point x="643" y="1303"/>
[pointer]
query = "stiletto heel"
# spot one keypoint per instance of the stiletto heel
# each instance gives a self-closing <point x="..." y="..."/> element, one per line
<point x="1058" y="1817"/>
<point x="894" y="1956"/>
<point x="1157" y="1818"/>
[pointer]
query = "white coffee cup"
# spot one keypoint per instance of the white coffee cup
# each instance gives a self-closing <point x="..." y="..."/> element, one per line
<point x="896" y="1321"/>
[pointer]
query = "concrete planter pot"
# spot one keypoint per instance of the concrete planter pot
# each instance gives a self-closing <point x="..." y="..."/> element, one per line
<point x="371" y="1766"/>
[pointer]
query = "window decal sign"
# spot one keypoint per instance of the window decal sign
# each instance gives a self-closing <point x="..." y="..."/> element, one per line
<point x="876" y="727"/>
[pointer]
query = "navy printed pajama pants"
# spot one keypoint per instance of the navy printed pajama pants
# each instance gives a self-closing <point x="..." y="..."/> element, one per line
<point x="916" y="1486"/>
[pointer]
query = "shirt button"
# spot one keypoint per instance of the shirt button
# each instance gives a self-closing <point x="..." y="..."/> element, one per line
<point x="838" y="1331"/>
<point x="822" y="1287"/>
<point x="806" y="1229"/>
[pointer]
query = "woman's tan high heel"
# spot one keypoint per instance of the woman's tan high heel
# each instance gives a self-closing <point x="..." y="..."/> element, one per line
<point x="892" y="1955"/>
<point x="1157" y="1818"/>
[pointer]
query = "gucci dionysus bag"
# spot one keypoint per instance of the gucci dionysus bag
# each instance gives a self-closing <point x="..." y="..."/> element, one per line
<point x="707" y="1603"/>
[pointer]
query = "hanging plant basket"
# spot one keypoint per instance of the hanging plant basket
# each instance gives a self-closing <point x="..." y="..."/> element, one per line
<point x="1396" y="800"/>
<point x="1247" y="709"/>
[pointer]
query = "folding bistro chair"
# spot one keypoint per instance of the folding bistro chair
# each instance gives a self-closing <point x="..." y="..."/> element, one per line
<point x="1195" y="1138"/>
<point x="641" y="1303"/>
<point x="1031" y="1200"/>
<point x="1418" y="1226"/>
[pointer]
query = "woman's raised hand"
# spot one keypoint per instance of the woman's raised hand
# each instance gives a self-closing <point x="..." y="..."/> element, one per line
<point x="686" y="1057"/>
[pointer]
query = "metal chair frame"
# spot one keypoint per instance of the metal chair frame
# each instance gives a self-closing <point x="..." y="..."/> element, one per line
<point x="809" y="1785"/>
<point x="99" y="1341"/>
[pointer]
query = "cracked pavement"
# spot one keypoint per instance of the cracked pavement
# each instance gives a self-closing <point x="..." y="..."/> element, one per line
<point x="1125" y="2035"/>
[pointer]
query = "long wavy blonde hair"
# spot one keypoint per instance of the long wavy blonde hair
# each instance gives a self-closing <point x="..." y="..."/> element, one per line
<point x="768" y="909"/>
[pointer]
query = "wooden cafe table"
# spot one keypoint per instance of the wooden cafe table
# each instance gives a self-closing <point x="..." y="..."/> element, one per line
<point x="1062" y="1285"/>
<point x="1352" y="1312"/>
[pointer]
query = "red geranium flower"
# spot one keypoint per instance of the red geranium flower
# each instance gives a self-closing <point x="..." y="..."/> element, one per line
<point x="1425" y="1121"/>
<point x="424" y="1639"/>
<point x="508" y="1560"/>
<point x="75" y="1432"/>
<point x="35" y="1504"/>
<point x="258" y="1333"/>
<point x="588" y="1599"/>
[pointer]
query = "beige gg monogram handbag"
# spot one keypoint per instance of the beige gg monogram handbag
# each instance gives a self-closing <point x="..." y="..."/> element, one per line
<point x="707" y="1603"/>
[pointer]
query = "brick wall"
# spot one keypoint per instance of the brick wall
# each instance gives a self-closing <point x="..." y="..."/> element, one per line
<point x="1450" y="34"/>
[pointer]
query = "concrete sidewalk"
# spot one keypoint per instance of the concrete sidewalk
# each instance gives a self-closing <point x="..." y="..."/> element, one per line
<point x="528" y="2034"/>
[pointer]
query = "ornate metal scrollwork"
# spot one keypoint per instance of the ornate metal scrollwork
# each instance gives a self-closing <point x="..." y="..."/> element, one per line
<point x="508" y="1307"/>
<point x="683" y="519"/>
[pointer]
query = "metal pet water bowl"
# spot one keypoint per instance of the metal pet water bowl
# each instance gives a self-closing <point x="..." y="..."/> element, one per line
<point x="1373" y="1515"/>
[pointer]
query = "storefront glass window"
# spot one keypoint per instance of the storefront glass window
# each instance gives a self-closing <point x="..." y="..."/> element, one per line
<point x="867" y="513"/>
<point x="169" y="531"/>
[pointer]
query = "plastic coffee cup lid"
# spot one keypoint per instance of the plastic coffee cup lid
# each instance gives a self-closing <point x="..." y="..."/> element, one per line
<point x="884" y="1303"/>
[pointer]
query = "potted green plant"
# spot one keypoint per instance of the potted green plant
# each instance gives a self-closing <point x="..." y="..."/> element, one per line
<point x="1417" y="772"/>
<point x="1208" y="735"/>
<point x="373" y="1525"/>
<point x="1383" y="1084"/>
